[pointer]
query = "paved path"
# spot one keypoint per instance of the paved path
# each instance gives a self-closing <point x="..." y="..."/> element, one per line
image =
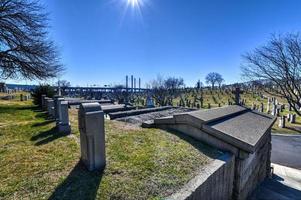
<point x="284" y="185"/>
<point x="286" y="150"/>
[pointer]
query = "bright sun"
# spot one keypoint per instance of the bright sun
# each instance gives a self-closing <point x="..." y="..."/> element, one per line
<point x="134" y="3"/>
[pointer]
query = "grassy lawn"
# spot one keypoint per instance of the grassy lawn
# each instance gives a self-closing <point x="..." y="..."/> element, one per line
<point x="36" y="162"/>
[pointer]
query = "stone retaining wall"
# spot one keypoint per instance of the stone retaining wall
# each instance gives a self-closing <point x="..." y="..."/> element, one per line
<point x="214" y="181"/>
<point x="243" y="132"/>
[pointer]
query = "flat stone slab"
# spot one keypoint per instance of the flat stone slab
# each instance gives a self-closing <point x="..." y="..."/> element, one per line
<point x="116" y="108"/>
<point x="74" y="101"/>
<point x="120" y="114"/>
<point x="205" y="116"/>
<point x="244" y="130"/>
<point x="236" y="125"/>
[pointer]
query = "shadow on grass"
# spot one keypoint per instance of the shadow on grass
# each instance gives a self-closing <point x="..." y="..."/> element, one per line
<point x="79" y="184"/>
<point x="43" y="123"/>
<point x="200" y="146"/>
<point x="45" y="137"/>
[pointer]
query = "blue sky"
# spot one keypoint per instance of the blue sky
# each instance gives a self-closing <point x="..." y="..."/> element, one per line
<point x="101" y="41"/>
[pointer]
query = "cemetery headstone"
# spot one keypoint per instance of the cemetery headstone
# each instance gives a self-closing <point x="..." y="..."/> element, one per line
<point x="293" y="118"/>
<point x="57" y="100"/>
<point x="261" y="107"/>
<point x="281" y="122"/>
<point x="268" y="107"/>
<point x="92" y="136"/>
<point x="288" y="116"/>
<point x="149" y="102"/>
<point x="64" y="124"/>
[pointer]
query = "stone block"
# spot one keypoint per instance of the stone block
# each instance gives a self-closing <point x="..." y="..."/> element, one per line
<point x="64" y="124"/>
<point x="92" y="136"/>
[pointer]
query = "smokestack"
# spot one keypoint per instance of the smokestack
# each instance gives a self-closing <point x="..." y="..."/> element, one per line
<point x="126" y="82"/>
<point x="139" y="84"/>
<point x="132" y="82"/>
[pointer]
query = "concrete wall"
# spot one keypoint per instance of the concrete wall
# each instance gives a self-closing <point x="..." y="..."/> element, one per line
<point x="249" y="169"/>
<point x="214" y="181"/>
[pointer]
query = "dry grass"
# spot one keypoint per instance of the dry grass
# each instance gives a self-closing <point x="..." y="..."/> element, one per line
<point x="36" y="162"/>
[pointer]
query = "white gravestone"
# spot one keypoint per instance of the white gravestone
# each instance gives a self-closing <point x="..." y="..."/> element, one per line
<point x="281" y="122"/>
<point x="64" y="124"/>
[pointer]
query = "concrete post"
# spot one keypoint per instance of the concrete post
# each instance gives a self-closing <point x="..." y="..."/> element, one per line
<point x="92" y="136"/>
<point x="64" y="124"/>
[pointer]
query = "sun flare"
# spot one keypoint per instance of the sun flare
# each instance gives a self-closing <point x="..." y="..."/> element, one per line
<point x="134" y="3"/>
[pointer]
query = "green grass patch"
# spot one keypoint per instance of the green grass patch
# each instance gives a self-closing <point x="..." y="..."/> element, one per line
<point x="36" y="162"/>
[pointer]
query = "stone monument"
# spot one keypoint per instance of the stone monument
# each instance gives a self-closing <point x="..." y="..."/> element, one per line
<point x="92" y="136"/>
<point x="64" y="124"/>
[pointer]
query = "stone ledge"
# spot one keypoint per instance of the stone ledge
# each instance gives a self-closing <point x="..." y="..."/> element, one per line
<point x="208" y="179"/>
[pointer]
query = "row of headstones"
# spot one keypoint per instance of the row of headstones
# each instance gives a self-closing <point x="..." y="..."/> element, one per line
<point x="57" y="109"/>
<point x="290" y="118"/>
<point x="276" y="109"/>
<point x="91" y="127"/>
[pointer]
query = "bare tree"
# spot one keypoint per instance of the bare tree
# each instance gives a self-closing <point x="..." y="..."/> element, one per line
<point x="165" y="90"/>
<point x="159" y="93"/>
<point x="279" y="61"/>
<point x="63" y="84"/>
<point x="219" y="80"/>
<point x="214" y="78"/>
<point x="25" y="50"/>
